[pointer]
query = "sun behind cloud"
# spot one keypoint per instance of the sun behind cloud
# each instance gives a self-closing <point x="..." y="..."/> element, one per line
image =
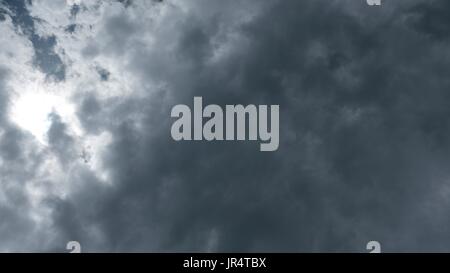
<point x="33" y="104"/>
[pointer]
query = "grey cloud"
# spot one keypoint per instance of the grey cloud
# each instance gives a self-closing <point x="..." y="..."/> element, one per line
<point x="19" y="163"/>
<point x="363" y="143"/>
<point x="331" y="186"/>
<point x="431" y="19"/>
<point x="118" y="30"/>
<point x="60" y="140"/>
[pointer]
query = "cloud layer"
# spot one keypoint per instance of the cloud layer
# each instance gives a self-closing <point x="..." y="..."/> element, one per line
<point x="86" y="89"/>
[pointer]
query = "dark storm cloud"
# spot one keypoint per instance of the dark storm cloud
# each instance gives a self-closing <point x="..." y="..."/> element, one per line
<point x="431" y="19"/>
<point x="364" y="125"/>
<point x="364" y="128"/>
<point x="46" y="59"/>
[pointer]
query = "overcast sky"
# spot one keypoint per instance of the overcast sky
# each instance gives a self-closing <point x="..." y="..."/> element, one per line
<point x="86" y="90"/>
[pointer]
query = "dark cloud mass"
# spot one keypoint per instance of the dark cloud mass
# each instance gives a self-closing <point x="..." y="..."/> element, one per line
<point x="364" y="129"/>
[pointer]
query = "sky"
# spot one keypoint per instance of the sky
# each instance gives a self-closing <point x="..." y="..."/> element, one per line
<point x="86" y="92"/>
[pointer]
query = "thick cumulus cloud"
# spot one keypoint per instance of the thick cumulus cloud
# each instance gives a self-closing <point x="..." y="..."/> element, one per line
<point x="363" y="149"/>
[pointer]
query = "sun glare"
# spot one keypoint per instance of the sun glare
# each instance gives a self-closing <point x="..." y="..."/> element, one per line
<point x="32" y="106"/>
